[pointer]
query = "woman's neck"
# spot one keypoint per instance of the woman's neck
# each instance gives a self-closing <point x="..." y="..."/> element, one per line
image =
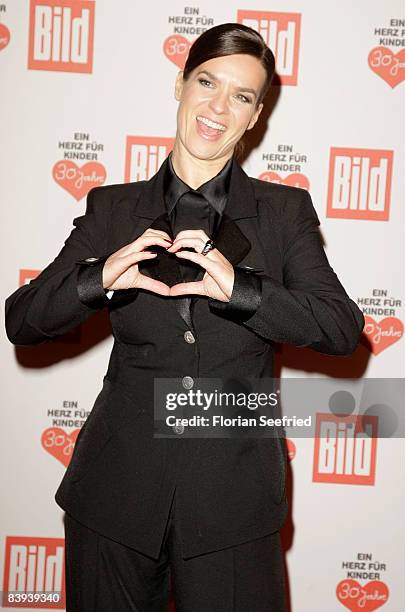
<point x="193" y="171"/>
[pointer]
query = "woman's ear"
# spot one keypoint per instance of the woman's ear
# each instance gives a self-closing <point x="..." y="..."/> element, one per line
<point x="255" y="116"/>
<point x="179" y="86"/>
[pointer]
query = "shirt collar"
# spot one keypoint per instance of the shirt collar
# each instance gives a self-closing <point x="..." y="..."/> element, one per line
<point x="215" y="190"/>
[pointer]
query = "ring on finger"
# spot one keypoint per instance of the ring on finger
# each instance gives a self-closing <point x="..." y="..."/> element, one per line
<point x="208" y="246"/>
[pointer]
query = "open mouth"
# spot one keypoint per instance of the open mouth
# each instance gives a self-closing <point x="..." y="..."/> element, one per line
<point x="209" y="128"/>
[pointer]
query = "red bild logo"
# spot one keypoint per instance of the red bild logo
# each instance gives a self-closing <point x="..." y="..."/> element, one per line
<point x="61" y="35"/>
<point x="359" y="184"/>
<point x="34" y="573"/>
<point x="345" y="449"/>
<point x="26" y="276"/>
<point x="281" y="32"/>
<point x="144" y="156"/>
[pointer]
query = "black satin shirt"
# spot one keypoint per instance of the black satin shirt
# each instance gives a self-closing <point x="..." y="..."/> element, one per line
<point x="215" y="191"/>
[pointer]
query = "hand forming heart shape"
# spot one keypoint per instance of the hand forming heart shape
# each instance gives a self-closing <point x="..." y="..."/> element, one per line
<point x="121" y="269"/>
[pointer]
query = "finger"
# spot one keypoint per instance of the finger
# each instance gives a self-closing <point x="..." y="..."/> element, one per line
<point x="195" y="233"/>
<point x="141" y="243"/>
<point x="121" y="264"/>
<point x="145" y="241"/>
<point x="186" y="288"/>
<point x="162" y="233"/>
<point x="194" y="243"/>
<point x="150" y="284"/>
<point x="125" y="261"/>
<point x="213" y="266"/>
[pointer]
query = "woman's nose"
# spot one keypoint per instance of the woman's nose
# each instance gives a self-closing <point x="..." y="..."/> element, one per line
<point x="219" y="102"/>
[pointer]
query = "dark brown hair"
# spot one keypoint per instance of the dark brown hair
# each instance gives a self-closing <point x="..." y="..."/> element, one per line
<point x="230" y="39"/>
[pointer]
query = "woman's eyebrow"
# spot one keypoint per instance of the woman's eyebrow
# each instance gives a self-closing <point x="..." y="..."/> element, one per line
<point x="214" y="78"/>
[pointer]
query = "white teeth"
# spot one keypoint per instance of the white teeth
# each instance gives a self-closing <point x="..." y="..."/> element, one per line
<point x="211" y="124"/>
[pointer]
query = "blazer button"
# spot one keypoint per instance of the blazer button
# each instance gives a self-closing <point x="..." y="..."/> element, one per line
<point x="187" y="382"/>
<point x="178" y="429"/>
<point x="189" y="337"/>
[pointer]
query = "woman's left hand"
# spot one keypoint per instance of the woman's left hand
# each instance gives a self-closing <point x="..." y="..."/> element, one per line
<point x="219" y="273"/>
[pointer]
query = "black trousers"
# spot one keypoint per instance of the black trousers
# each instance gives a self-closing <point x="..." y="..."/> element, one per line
<point x="104" y="576"/>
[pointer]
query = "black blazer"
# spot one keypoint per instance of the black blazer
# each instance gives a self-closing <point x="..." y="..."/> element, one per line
<point x="120" y="480"/>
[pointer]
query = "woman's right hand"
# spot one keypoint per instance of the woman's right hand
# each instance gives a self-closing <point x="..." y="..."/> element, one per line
<point x="121" y="270"/>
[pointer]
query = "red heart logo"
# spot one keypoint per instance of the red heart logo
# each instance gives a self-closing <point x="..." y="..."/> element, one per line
<point x="388" y="65"/>
<point x="294" y="180"/>
<point x="59" y="444"/>
<point x="383" y="333"/>
<point x="176" y="49"/>
<point x="78" y="181"/>
<point x="4" y="36"/>
<point x="364" y="598"/>
<point x="291" y="449"/>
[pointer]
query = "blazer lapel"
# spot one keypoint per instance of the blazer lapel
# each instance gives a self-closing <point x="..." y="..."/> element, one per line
<point x="229" y="238"/>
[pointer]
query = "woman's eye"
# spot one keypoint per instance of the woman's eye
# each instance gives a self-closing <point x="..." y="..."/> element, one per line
<point x="244" y="99"/>
<point x="205" y="82"/>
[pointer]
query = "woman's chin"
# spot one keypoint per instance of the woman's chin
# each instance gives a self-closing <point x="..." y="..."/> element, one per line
<point x="206" y="149"/>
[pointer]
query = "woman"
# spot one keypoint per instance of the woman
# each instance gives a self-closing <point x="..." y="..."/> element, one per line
<point x="202" y="268"/>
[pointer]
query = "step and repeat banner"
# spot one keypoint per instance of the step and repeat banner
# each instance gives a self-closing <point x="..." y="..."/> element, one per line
<point x="87" y="99"/>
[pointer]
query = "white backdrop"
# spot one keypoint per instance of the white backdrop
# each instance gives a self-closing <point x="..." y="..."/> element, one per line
<point x="83" y="85"/>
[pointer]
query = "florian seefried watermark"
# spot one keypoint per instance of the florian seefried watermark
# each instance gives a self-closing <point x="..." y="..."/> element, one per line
<point x="213" y="403"/>
<point x="269" y="407"/>
<point x="218" y="420"/>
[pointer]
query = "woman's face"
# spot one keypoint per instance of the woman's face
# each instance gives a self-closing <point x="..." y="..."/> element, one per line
<point x="218" y="103"/>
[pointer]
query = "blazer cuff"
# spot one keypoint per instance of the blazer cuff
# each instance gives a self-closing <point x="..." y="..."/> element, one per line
<point x="245" y="298"/>
<point x="90" y="282"/>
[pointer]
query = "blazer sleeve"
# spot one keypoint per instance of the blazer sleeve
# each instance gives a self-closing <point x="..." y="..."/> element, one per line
<point x="310" y="308"/>
<point x="70" y="288"/>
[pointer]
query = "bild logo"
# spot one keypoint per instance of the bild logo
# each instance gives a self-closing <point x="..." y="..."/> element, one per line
<point x="34" y="573"/>
<point x="359" y="184"/>
<point x="144" y="156"/>
<point x="345" y="449"/>
<point x="26" y="276"/>
<point x="61" y="35"/>
<point x="281" y="32"/>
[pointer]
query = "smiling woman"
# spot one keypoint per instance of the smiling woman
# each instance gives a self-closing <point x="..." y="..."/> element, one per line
<point x="226" y="76"/>
<point x="218" y="103"/>
<point x="202" y="268"/>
